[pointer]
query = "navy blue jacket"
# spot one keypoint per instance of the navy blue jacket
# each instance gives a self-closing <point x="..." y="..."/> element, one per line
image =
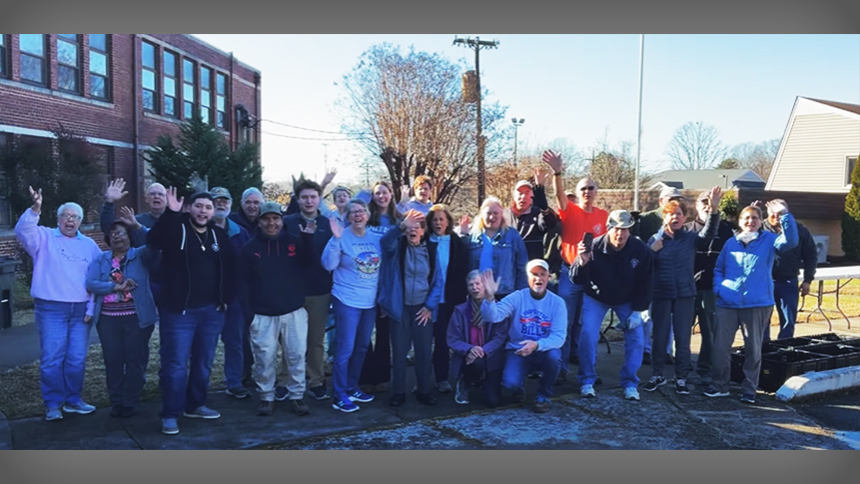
<point x="318" y="280"/>
<point x="788" y="263"/>
<point x="616" y="277"/>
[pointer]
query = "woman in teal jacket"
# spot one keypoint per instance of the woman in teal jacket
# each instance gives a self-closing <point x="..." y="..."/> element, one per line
<point x="124" y="315"/>
<point x="743" y="286"/>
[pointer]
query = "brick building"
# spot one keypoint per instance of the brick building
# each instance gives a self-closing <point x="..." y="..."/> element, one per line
<point x="121" y="91"/>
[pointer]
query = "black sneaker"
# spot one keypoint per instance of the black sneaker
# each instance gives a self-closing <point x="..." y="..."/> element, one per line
<point x="681" y="387"/>
<point x="239" y="392"/>
<point x="299" y="407"/>
<point x="319" y="393"/>
<point x="714" y="393"/>
<point x="426" y="398"/>
<point x="747" y="398"/>
<point x="266" y="408"/>
<point x="281" y="393"/>
<point x="653" y="383"/>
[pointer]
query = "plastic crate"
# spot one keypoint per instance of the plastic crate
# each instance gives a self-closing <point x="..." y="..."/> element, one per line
<point x="778" y="367"/>
<point x="826" y="337"/>
<point x="839" y="355"/>
<point x="792" y="342"/>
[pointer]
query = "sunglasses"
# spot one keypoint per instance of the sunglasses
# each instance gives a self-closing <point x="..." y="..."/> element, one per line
<point x="588" y="189"/>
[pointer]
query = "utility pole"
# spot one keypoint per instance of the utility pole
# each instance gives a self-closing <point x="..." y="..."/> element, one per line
<point x="325" y="157"/>
<point x="477" y="44"/>
<point x="639" y="126"/>
<point x="517" y="124"/>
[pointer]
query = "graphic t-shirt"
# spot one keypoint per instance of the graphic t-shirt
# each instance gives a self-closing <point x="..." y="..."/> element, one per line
<point x="575" y="222"/>
<point x="542" y="320"/>
<point x="355" y="263"/>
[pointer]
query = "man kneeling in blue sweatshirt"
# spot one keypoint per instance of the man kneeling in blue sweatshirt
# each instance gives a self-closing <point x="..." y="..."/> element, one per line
<point x="536" y="334"/>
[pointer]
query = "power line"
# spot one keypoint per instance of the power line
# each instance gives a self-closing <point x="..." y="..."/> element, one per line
<point x="305" y="129"/>
<point x="311" y="139"/>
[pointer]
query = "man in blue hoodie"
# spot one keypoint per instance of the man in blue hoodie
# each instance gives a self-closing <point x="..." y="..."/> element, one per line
<point x="537" y="331"/>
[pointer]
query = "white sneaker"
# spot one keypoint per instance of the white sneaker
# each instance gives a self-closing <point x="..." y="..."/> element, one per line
<point x="587" y="391"/>
<point x="631" y="393"/>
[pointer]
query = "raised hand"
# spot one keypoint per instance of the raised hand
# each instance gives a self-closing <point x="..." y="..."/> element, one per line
<point x="173" y="203"/>
<point x="126" y="214"/>
<point x="716" y="195"/>
<point x="554" y="160"/>
<point x="539" y="176"/>
<point x="490" y="285"/>
<point x="776" y="207"/>
<point x="328" y="177"/>
<point x="36" y="196"/>
<point x="412" y="219"/>
<point x="404" y="193"/>
<point x="115" y="190"/>
<point x="464" y="225"/>
<point x="336" y="227"/>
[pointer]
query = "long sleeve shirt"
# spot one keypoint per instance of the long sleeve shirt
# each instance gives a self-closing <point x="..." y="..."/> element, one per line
<point x="354" y="262"/>
<point x="543" y="320"/>
<point x="59" y="262"/>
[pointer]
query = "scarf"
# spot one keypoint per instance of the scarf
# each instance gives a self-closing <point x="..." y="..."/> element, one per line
<point x="477" y="320"/>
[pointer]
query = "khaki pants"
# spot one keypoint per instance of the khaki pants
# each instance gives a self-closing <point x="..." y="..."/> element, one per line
<point x="292" y="330"/>
<point x="317" y="308"/>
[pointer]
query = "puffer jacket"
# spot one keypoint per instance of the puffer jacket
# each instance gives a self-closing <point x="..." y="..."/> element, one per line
<point x="674" y="263"/>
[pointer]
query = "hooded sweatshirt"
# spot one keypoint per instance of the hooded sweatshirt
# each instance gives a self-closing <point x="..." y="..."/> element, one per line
<point x="272" y="272"/>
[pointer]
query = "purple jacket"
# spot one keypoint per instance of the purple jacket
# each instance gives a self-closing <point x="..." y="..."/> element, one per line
<point x="495" y="335"/>
<point x="59" y="262"/>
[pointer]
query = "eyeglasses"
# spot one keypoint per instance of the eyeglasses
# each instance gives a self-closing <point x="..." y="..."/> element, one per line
<point x="69" y="216"/>
<point x="357" y="212"/>
<point x="588" y="189"/>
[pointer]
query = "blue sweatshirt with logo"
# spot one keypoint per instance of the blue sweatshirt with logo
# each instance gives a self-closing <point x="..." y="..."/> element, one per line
<point x="541" y="320"/>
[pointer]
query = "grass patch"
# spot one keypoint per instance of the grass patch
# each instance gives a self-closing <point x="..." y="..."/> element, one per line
<point x="22" y="396"/>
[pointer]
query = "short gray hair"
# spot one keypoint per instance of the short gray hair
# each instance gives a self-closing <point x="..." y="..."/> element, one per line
<point x="74" y="206"/>
<point x="476" y="273"/>
<point x="251" y="191"/>
<point x="358" y="201"/>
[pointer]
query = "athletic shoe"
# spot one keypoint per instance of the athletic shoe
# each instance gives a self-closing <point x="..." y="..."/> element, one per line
<point x="81" y="407"/>
<point x="714" y="393"/>
<point x="426" y="398"/>
<point x="319" y="393"/>
<point x="444" y="387"/>
<point x="116" y="411"/>
<point x="461" y="396"/>
<point x="266" y="408"/>
<point x="169" y="426"/>
<point x="747" y="398"/>
<point x="239" y="392"/>
<point x="397" y="400"/>
<point x="542" y="404"/>
<point x="281" y="393"/>
<point x="53" y="414"/>
<point x="587" y="391"/>
<point x="299" y="407"/>
<point x="359" y="396"/>
<point x="631" y="393"/>
<point x="344" y="405"/>
<point x="202" y="412"/>
<point x="653" y="383"/>
<point x="681" y="387"/>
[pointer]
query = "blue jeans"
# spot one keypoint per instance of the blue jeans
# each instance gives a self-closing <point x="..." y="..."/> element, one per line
<point x="517" y="367"/>
<point x="354" y="330"/>
<point x="64" y="338"/>
<point x="593" y="312"/>
<point x="191" y="335"/>
<point x="786" y="295"/>
<point x="572" y="295"/>
<point x="233" y="337"/>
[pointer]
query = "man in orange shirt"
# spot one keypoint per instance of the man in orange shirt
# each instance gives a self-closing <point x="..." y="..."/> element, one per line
<point x="577" y="219"/>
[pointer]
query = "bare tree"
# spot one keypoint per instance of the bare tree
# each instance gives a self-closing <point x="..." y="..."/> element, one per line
<point x="408" y="110"/>
<point x="758" y="157"/>
<point x="695" y="146"/>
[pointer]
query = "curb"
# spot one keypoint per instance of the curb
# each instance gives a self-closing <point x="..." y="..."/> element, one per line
<point x="5" y="433"/>
<point x="818" y="382"/>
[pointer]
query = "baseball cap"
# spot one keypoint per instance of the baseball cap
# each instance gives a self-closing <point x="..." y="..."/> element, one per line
<point x="570" y="192"/>
<point x="536" y="263"/>
<point x="621" y="219"/>
<point x="523" y="183"/>
<point x="670" y="192"/>
<point x="220" y="192"/>
<point x="270" y="207"/>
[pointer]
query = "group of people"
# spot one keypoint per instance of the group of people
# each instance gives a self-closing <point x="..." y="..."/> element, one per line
<point x="521" y="290"/>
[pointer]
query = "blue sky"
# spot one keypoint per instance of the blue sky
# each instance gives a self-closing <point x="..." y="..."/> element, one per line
<point x="580" y="87"/>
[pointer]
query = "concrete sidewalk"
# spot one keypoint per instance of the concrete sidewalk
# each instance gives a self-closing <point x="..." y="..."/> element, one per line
<point x="662" y="420"/>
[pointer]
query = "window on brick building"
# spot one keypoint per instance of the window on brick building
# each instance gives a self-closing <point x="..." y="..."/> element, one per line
<point x="188" y="75"/>
<point x="99" y="66"/>
<point x="33" y="64"/>
<point x="4" y="68"/>
<point x="68" y="62"/>
<point x="169" y="86"/>
<point x="205" y="94"/>
<point x="220" y="101"/>
<point x="149" y="76"/>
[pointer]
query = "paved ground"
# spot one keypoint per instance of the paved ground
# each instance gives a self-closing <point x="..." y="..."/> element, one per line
<point x="662" y="420"/>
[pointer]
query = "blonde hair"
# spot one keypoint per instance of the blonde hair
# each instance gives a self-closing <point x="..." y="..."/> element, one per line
<point x="478" y="227"/>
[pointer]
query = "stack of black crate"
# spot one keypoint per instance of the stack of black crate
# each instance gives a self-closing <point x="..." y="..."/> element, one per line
<point x="784" y="358"/>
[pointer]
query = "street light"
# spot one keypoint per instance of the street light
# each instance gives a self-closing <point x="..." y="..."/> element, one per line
<point x="517" y="124"/>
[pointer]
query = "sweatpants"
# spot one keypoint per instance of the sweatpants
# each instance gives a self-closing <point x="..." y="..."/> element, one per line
<point x="752" y="322"/>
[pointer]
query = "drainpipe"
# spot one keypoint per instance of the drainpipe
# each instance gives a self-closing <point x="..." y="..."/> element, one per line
<point x="134" y="82"/>
<point x="228" y="109"/>
<point x="257" y="107"/>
